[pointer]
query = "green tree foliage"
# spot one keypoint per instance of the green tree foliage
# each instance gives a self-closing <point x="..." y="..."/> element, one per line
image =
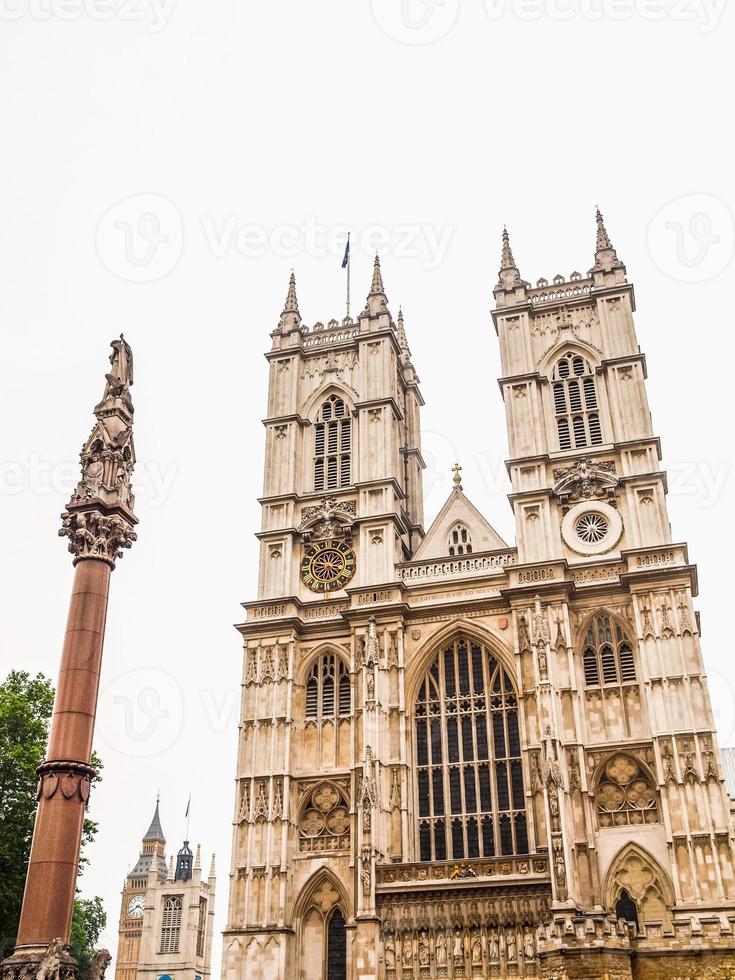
<point x="26" y="704"/>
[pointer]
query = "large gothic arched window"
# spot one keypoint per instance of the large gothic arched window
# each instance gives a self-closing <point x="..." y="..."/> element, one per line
<point x="333" y="446"/>
<point x="328" y="690"/>
<point x="471" y="799"/>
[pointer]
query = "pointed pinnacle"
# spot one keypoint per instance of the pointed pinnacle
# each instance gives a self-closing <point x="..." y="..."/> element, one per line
<point x="507" y="261"/>
<point x="212" y="867"/>
<point x="603" y="239"/>
<point x="376" y="288"/>
<point x="402" y="338"/>
<point x="198" y="858"/>
<point x="292" y="304"/>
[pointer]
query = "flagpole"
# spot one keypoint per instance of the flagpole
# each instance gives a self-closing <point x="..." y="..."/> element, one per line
<point x="349" y="260"/>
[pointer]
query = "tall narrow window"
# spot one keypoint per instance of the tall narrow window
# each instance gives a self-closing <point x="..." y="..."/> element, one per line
<point x="471" y="795"/>
<point x="171" y="925"/>
<point x="608" y="654"/>
<point x="332" y="446"/>
<point x="575" y="403"/>
<point x="328" y="689"/>
<point x="336" y="947"/>
<point x="201" y="926"/>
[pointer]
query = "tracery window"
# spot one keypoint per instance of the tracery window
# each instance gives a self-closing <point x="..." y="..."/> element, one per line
<point x="328" y="689"/>
<point x="460" y="541"/>
<point x="336" y="947"/>
<point x="471" y="797"/>
<point x="575" y="403"/>
<point x="325" y="820"/>
<point x="333" y="446"/>
<point x="625" y="794"/>
<point x="608" y="654"/>
<point x="171" y="925"/>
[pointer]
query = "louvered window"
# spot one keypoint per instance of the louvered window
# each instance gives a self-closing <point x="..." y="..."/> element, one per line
<point x="328" y="689"/>
<point x="332" y="446"/>
<point x="171" y="925"/>
<point x="471" y="795"/>
<point x="608" y="654"/>
<point x="575" y="403"/>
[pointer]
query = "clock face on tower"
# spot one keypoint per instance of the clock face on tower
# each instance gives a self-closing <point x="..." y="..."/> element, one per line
<point x="328" y="566"/>
<point x="136" y="906"/>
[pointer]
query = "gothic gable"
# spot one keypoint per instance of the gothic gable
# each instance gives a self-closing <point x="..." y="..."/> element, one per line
<point x="458" y="514"/>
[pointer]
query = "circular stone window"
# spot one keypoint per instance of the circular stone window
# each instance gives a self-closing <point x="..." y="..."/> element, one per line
<point x="591" y="528"/>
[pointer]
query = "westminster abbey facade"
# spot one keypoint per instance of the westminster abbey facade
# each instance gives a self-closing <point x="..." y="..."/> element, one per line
<point x="460" y="757"/>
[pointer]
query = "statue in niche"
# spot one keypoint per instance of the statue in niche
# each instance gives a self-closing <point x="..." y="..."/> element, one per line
<point x="441" y="950"/>
<point x="390" y="953"/>
<point x="424" y="955"/>
<point x="477" y="950"/>
<point x="510" y="946"/>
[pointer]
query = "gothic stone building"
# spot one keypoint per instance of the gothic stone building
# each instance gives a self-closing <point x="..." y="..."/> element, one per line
<point x="458" y="757"/>
<point x="166" y="921"/>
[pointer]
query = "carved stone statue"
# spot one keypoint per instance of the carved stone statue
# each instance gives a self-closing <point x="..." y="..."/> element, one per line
<point x="441" y="950"/>
<point x="510" y="946"/>
<point x="407" y="951"/>
<point x="390" y="953"/>
<point x="458" y="948"/>
<point x="98" y="966"/>
<point x="52" y="964"/>
<point x="476" y="950"/>
<point x="494" y="948"/>
<point x="424" y="954"/>
<point x="529" y="946"/>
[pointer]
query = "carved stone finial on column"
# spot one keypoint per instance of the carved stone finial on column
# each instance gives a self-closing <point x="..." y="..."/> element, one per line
<point x="99" y="518"/>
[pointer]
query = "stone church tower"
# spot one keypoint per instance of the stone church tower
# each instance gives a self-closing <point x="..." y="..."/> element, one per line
<point x="457" y="757"/>
<point x="166" y="914"/>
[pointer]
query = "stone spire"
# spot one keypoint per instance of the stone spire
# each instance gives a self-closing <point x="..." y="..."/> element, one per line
<point x="212" y="870"/>
<point x="377" y="301"/>
<point x="403" y="339"/>
<point x="155" y="831"/>
<point x="198" y="858"/>
<point x="290" y="317"/>
<point x="606" y="258"/>
<point x="509" y="277"/>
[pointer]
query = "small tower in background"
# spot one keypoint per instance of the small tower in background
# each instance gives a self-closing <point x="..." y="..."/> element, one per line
<point x="166" y="914"/>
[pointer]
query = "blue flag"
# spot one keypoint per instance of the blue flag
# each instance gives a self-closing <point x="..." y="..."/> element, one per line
<point x="346" y="259"/>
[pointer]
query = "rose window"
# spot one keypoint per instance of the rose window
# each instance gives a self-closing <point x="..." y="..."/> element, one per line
<point x="592" y="528"/>
<point x="625" y="794"/>
<point x="325" y="820"/>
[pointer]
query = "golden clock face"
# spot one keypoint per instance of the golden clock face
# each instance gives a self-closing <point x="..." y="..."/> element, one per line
<point x="328" y="566"/>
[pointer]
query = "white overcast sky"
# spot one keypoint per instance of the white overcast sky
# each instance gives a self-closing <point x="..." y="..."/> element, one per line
<point x="245" y="138"/>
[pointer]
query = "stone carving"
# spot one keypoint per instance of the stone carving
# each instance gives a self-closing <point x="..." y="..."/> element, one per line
<point x="441" y="950"/>
<point x="587" y="480"/>
<point x="277" y="810"/>
<point x="395" y="788"/>
<point x="368" y="797"/>
<point x="407" y="951"/>
<point x="476" y="950"/>
<point x="560" y="867"/>
<point x="69" y="778"/>
<point x="331" y="519"/>
<point x="325" y="820"/>
<point x="458" y="948"/>
<point x="424" y="954"/>
<point x="267" y="670"/>
<point x="98" y="967"/>
<point x="108" y="455"/>
<point x="390" y="953"/>
<point x="625" y="794"/>
<point x="371" y="649"/>
<point x="244" y="811"/>
<point x="91" y="534"/>
<point x="261" y="803"/>
<point x="511" y="949"/>
<point x="57" y="962"/>
<point x="251" y="670"/>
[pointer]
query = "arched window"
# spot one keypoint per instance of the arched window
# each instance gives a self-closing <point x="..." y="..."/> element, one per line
<point x="471" y="797"/>
<point x="626" y="909"/>
<point x="336" y="947"/>
<point x="625" y="794"/>
<point x="328" y="689"/>
<point x="608" y="654"/>
<point x="575" y="403"/>
<point x="333" y="446"/>
<point x="460" y="541"/>
<point x="171" y="925"/>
